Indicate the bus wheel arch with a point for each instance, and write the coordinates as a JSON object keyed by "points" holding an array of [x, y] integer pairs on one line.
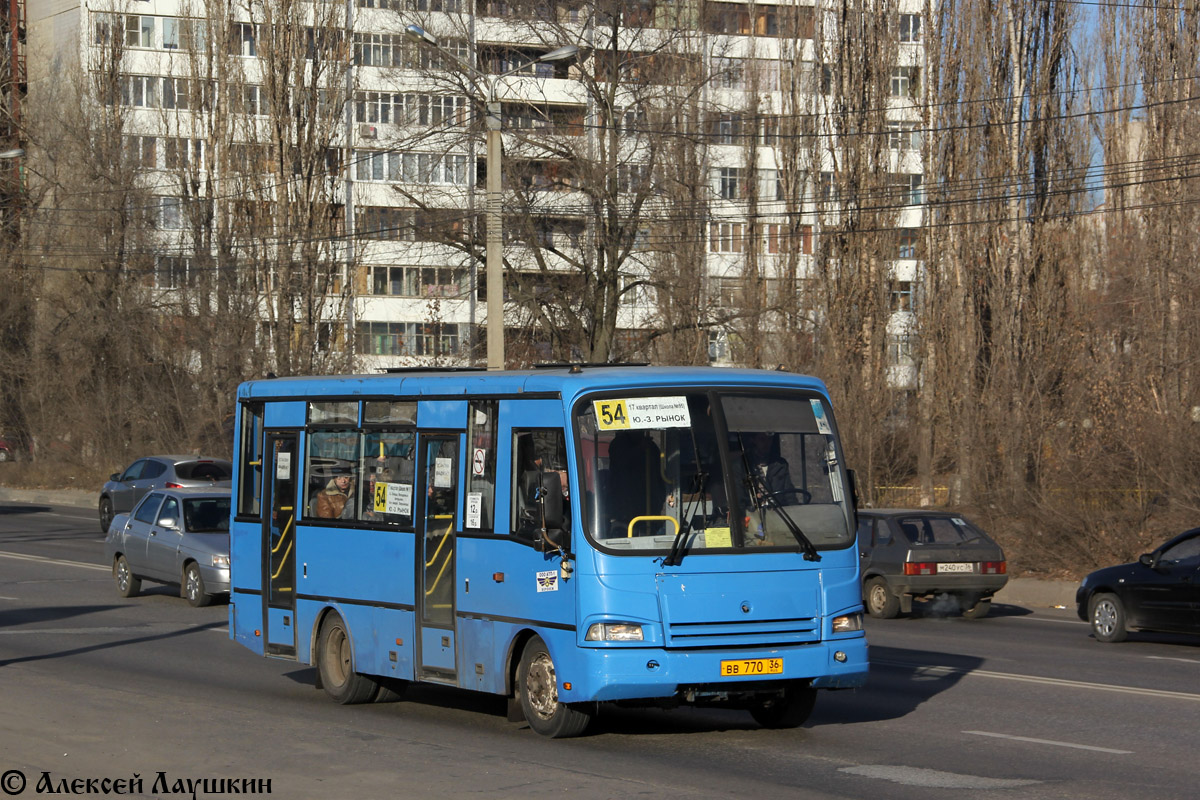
{"points": [[537, 692]]}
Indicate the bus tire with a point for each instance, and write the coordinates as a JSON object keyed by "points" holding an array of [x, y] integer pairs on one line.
{"points": [[335, 662], [389, 690], [791, 709], [537, 689]]}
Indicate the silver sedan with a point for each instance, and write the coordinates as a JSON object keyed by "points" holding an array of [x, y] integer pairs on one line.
{"points": [[173, 536]]}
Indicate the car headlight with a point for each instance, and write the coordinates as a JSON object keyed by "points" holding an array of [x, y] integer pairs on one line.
{"points": [[614, 632], [847, 623], [220, 561]]}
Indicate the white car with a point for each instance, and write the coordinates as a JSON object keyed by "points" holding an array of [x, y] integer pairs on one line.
{"points": [[173, 536]]}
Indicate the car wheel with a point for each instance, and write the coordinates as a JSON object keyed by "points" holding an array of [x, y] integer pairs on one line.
{"points": [[192, 586], [3, 455], [128, 584], [106, 514], [537, 687], [880, 601], [789, 710], [1108, 618], [335, 663], [973, 608]]}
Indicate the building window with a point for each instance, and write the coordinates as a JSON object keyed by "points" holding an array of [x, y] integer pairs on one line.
{"points": [[172, 272], [170, 214], [901, 348], [903, 136], [731, 183], [242, 39], [908, 242], [727, 237], [779, 239], [910, 27], [418, 281], [729, 73], [905, 81], [139, 91], [408, 339], [912, 193], [902, 295], [385, 222], [139, 31]]}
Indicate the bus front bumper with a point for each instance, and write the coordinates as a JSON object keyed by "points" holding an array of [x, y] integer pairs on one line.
{"points": [[604, 674]]}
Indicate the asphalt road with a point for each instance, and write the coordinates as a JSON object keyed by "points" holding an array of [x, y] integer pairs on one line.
{"points": [[1018, 705]]}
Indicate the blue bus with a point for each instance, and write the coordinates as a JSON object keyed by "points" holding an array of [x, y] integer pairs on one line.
{"points": [[562, 536]]}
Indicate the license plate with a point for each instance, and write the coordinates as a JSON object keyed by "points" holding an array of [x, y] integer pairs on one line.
{"points": [[751, 666], [956, 567]]}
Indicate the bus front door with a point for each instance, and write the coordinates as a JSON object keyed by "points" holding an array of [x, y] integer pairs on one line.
{"points": [[279, 545], [438, 493]]}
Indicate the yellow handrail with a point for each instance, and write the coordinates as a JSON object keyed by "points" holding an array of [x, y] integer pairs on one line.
{"points": [[282, 561], [445, 538], [283, 536], [636, 520]]}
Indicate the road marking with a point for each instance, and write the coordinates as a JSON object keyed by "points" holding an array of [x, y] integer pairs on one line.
{"points": [[1170, 658], [44, 560], [935, 671], [934, 779], [1051, 742]]}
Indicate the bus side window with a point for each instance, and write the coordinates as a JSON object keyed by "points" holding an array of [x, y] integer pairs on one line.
{"points": [[541, 494]]}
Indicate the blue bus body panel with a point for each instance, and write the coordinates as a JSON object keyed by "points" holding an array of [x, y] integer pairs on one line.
{"points": [[442, 414]]}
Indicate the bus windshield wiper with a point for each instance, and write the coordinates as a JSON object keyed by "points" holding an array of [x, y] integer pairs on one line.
{"points": [[675, 556], [768, 500]]}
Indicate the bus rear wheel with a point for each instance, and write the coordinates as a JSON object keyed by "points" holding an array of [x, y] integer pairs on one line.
{"points": [[335, 663], [790, 709], [537, 688]]}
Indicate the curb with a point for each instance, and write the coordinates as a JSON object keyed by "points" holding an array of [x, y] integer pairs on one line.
{"points": [[76, 498]]}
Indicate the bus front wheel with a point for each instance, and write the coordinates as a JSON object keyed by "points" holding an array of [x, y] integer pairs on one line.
{"points": [[537, 688], [335, 662], [789, 709]]}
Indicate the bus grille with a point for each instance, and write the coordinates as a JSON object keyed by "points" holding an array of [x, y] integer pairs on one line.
{"points": [[738, 633]]}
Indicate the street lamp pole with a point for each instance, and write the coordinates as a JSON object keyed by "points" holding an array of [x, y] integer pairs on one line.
{"points": [[494, 216]]}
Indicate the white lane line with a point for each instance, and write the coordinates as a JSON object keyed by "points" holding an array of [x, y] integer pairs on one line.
{"points": [[1051, 743], [941, 671], [44, 560], [1170, 658]]}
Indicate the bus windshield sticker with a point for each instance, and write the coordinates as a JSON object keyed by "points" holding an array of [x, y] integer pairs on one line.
{"points": [[642, 413], [443, 474], [474, 509], [822, 420], [718, 537], [547, 581]]}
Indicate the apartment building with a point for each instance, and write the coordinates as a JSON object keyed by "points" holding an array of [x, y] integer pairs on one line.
{"points": [[400, 128]]}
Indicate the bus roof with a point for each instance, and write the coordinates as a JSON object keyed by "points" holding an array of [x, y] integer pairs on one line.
{"points": [[566, 381]]}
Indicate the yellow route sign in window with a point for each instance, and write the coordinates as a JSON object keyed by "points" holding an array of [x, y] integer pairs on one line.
{"points": [[611, 415]]}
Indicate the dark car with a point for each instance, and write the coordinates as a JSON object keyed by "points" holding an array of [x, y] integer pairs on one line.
{"points": [[124, 489], [905, 554], [1160, 592], [175, 536]]}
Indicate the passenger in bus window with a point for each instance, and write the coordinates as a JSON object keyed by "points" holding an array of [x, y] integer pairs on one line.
{"points": [[335, 501], [635, 475]]}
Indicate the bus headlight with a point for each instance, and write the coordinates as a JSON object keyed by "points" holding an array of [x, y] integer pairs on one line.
{"points": [[614, 632], [847, 623]]}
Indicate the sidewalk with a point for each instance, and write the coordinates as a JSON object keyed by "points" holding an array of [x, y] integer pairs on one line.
{"points": [[1028, 592]]}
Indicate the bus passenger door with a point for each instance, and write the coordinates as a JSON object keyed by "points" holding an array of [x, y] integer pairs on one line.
{"points": [[437, 483], [279, 544]]}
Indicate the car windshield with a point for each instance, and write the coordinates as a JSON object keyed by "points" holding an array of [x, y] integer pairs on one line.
{"points": [[207, 514], [711, 470], [939, 530]]}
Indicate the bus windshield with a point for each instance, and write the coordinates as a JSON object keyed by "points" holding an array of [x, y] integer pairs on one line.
{"points": [[695, 471]]}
